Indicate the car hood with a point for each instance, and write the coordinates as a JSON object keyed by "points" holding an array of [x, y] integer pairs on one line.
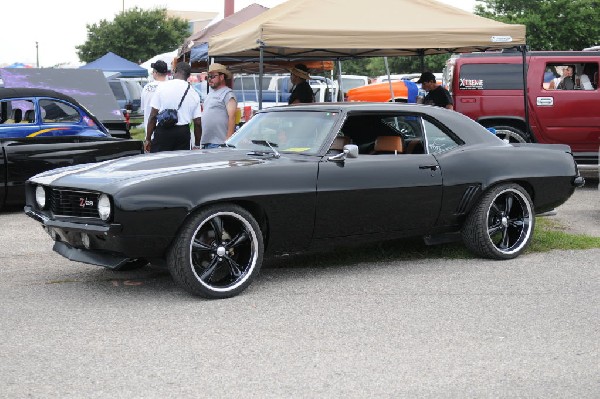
{"points": [[148, 166]]}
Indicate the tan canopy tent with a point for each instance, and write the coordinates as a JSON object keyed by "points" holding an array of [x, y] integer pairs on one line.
{"points": [[343, 29]]}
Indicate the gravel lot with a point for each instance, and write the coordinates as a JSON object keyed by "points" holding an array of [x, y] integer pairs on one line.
{"points": [[407, 328], [581, 213]]}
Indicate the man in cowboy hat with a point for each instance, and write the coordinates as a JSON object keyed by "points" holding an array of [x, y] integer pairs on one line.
{"points": [[301, 92], [220, 105]]}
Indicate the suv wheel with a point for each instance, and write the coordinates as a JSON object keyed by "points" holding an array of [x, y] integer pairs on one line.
{"points": [[512, 134]]}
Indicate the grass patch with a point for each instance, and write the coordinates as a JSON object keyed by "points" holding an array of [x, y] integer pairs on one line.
{"points": [[548, 235], [138, 133]]}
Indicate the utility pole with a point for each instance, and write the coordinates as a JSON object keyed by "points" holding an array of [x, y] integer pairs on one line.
{"points": [[37, 56]]}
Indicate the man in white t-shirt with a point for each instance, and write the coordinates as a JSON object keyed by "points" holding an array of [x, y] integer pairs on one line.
{"points": [[159, 75], [174, 94]]}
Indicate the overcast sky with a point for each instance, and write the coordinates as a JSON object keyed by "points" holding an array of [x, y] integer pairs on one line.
{"points": [[60, 25]]}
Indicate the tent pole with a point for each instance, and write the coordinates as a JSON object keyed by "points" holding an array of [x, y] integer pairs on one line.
{"points": [[523, 49], [340, 95], [387, 71], [260, 73]]}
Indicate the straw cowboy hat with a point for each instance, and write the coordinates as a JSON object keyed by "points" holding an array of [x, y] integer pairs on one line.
{"points": [[301, 71], [220, 68]]}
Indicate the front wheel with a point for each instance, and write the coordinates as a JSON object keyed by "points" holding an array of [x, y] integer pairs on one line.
{"points": [[218, 252], [501, 225]]}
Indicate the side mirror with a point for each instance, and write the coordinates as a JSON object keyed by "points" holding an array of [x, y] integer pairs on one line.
{"points": [[350, 151]]}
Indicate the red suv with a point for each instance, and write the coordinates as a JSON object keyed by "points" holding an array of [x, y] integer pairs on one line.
{"points": [[488, 87]]}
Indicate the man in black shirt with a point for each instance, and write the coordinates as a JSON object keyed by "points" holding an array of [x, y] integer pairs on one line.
{"points": [[302, 92], [436, 94]]}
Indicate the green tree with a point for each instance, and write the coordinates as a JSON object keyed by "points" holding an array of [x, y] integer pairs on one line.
{"points": [[135, 34], [550, 24]]}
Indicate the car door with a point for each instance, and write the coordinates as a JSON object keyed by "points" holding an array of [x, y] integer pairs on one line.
{"points": [[378, 193]]}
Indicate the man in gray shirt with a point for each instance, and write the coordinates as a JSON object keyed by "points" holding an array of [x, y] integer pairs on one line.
{"points": [[220, 105]]}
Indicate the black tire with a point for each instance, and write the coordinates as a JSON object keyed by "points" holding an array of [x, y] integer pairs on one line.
{"points": [[501, 225], [217, 269], [133, 264], [512, 134]]}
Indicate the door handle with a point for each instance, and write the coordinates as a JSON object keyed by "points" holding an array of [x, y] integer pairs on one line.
{"points": [[430, 167]]}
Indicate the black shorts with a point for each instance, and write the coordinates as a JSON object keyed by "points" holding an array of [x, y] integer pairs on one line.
{"points": [[171, 139]]}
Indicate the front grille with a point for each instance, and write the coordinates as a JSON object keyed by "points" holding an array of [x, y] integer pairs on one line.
{"points": [[74, 203]]}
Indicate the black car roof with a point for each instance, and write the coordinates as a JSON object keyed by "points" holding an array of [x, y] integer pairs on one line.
{"points": [[26, 92], [470, 130]]}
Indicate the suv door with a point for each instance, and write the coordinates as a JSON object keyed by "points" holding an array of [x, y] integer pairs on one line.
{"points": [[567, 116]]}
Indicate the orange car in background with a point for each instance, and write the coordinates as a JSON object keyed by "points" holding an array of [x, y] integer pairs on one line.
{"points": [[405, 91]]}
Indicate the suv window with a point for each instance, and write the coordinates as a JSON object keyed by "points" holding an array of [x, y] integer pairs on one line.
{"points": [[583, 76], [135, 90], [491, 77], [118, 91]]}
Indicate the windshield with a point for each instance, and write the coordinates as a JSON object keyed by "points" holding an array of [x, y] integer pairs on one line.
{"points": [[286, 131]]}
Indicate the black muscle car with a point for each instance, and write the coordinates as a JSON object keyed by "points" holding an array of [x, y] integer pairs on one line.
{"points": [[297, 177]]}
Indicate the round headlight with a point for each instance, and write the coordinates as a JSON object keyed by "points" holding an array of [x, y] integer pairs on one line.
{"points": [[104, 207], [40, 196]]}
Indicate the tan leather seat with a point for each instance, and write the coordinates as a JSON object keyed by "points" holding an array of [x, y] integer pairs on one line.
{"points": [[415, 146], [388, 145], [339, 142]]}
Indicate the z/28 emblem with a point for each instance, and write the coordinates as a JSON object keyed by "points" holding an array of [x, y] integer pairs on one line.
{"points": [[83, 202]]}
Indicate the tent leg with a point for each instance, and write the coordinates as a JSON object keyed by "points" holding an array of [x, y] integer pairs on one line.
{"points": [[523, 49], [260, 75], [387, 71], [340, 96]]}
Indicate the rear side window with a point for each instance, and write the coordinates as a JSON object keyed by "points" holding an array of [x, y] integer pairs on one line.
{"points": [[57, 111], [491, 77], [118, 90], [135, 90]]}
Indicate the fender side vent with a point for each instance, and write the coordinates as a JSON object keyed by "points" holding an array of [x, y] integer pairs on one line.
{"points": [[466, 199]]}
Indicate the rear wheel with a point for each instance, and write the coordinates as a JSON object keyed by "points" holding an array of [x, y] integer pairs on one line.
{"points": [[218, 252], [501, 225], [512, 134]]}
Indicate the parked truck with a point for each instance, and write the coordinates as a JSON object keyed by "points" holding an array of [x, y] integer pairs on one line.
{"points": [[489, 88]]}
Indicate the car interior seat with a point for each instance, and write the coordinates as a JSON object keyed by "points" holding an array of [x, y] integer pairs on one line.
{"points": [[415, 146], [339, 142], [30, 116], [17, 115], [388, 145]]}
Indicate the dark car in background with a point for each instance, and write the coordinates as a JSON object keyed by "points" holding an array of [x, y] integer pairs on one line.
{"points": [[43, 129]]}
